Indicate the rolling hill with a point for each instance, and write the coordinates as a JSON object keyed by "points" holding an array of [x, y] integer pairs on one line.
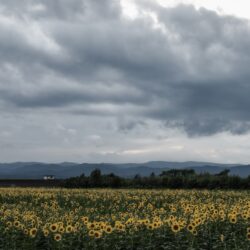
{"points": [[36, 170]]}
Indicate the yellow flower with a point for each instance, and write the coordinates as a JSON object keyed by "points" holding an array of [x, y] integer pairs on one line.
{"points": [[61, 229], [150, 226], [9, 224], [69, 229], [248, 236], [16, 223], [53, 227], [120, 227], [85, 219], [108, 229], [194, 232], [91, 225], [233, 219], [175, 228], [190, 227], [33, 232], [97, 234], [91, 233], [45, 232], [57, 237]]}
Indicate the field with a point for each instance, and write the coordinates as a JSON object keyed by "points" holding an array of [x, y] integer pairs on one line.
{"points": [[40, 218]]}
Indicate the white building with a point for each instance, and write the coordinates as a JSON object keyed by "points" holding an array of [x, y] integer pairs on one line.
{"points": [[49, 177]]}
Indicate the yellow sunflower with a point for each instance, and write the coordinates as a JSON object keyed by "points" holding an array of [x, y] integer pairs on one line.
{"points": [[57, 237], [175, 228], [53, 227], [108, 229], [33, 232]]}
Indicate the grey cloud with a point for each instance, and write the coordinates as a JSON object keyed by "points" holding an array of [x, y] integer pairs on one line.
{"points": [[125, 124], [194, 75], [208, 127], [62, 98]]}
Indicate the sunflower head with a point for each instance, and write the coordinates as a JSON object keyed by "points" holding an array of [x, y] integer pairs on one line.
{"points": [[233, 219], [97, 234], [69, 229], [57, 237], [53, 227], [248, 236], [33, 232], [175, 228], [91, 233], [108, 229]]}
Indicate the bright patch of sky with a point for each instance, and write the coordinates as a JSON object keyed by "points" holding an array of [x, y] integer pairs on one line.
{"points": [[239, 8]]}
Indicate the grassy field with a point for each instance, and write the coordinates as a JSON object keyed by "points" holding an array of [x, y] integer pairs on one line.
{"points": [[123, 219]]}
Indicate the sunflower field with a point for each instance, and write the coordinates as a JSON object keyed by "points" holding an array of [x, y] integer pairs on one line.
{"points": [[40, 218]]}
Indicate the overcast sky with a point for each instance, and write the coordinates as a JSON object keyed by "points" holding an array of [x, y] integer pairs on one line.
{"points": [[124, 81]]}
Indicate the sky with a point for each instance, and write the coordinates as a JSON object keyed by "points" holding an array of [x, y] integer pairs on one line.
{"points": [[124, 81]]}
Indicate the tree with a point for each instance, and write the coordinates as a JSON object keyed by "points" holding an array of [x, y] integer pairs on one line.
{"points": [[96, 178], [224, 172], [152, 175]]}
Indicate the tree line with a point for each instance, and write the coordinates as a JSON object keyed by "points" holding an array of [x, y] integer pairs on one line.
{"points": [[174, 178]]}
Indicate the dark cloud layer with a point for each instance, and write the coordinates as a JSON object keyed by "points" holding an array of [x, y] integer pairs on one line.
{"points": [[190, 70]]}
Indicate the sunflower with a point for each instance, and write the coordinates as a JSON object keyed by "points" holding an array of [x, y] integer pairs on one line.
{"points": [[97, 234], [91, 233], [244, 216], [194, 232], [190, 227], [85, 219], [175, 228], [121, 227], [57, 237], [9, 224], [53, 227], [233, 219], [61, 229], [33, 232], [16, 223], [155, 224], [69, 229], [45, 232], [248, 236], [150, 226], [91, 225], [108, 229]]}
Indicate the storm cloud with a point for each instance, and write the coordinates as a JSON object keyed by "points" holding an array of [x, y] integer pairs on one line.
{"points": [[181, 67]]}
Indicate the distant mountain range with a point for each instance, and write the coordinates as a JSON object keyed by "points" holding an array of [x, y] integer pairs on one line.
{"points": [[36, 170]]}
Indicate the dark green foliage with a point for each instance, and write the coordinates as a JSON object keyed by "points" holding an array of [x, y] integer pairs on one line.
{"points": [[174, 178]]}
